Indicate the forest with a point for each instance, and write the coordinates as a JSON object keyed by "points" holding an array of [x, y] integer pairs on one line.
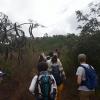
{"points": [[19, 53]]}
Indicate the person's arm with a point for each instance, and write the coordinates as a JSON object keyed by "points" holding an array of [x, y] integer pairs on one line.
{"points": [[61, 69], [79, 79], [79, 74], [33, 84], [53, 87]]}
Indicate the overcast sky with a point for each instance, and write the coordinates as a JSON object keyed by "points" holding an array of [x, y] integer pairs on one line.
{"points": [[57, 15]]}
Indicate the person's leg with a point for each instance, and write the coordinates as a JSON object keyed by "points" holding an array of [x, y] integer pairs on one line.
{"points": [[84, 95], [59, 92]]}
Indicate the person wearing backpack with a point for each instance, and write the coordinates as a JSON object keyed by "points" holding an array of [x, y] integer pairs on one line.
{"points": [[43, 85], [42, 57], [56, 69], [86, 79], [56, 51]]}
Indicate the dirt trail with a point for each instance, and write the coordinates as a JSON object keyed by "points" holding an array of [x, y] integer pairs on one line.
{"points": [[13, 90]]}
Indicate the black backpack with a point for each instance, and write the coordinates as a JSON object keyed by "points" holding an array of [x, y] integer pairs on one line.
{"points": [[57, 74]]}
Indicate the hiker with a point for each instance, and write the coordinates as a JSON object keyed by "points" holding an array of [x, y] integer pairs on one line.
{"points": [[42, 57], [57, 52], [56, 69], [86, 79], [43, 85]]}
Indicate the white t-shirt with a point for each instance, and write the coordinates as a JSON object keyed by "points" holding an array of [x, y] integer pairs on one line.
{"points": [[81, 72], [49, 62]]}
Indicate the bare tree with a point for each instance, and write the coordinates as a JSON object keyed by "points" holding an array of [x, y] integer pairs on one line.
{"points": [[89, 22], [12, 36]]}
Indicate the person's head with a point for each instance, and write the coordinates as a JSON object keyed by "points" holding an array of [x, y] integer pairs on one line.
{"points": [[57, 52], [54, 59], [82, 58], [41, 58], [42, 66]]}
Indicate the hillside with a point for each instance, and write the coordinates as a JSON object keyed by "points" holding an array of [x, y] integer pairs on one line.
{"points": [[19, 75]]}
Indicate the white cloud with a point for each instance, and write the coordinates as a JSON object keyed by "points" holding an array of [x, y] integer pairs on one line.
{"points": [[57, 15]]}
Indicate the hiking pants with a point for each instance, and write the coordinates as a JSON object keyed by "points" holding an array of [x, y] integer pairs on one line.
{"points": [[87, 95], [59, 91]]}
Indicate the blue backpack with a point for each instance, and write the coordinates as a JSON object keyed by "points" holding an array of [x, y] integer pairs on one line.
{"points": [[91, 78], [57, 74], [45, 85]]}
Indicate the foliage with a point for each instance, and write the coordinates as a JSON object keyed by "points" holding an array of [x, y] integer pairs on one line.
{"points": [[90, 21]]}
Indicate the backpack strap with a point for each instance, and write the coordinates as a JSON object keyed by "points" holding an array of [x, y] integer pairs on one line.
{"points": [[83, 83], [89, 66], [36, 87]]}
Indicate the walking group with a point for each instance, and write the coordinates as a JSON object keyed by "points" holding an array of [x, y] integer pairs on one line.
{"points": [[48, 83]]}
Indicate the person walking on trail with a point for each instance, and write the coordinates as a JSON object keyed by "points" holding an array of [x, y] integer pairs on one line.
{"points": [[86, 79], [43, 85], [56, 69], [56, 51], [42, 57]]}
